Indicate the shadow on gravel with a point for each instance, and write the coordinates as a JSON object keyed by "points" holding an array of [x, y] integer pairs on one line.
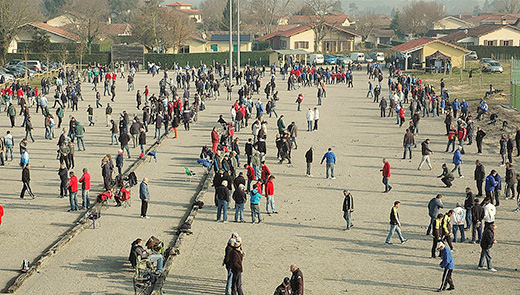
{"points": [[383, 284], [186, 285]]}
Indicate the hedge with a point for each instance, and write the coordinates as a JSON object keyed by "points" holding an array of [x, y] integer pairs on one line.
{"points": [[209, 58], [496, 52], [100, 57]]}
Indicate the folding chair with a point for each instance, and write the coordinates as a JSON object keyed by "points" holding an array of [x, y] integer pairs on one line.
{"points": [[189, 173]]}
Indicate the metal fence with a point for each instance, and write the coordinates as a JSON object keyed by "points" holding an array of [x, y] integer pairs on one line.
{"points": [[515, 84]]}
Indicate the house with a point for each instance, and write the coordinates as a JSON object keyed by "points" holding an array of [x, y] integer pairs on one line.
{"points": [[336, 20], [62, 20], [293, 37], [56, 35], [487, 35], [119, 30], [303, 37], [380, 36], [494, 18], [187, 9], [451, 22], [219, 42], [426, 51]]}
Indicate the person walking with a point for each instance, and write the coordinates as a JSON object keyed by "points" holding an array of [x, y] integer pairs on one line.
{"points": [[308, 160], [26, 179], [330, 158], [479, 176], [457, 161], [426, 152], [386, 175], [73, 191], [447, 228], [510, 181], [348, 208], [434, 206], [144, 195], [310, 119], [488, 240], [468, 205], [395, 224], [296, 280], [459, 215], [448, 265], [477, 215]]}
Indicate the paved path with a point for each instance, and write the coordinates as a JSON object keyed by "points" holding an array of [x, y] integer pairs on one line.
{"points": [[309, 229]]}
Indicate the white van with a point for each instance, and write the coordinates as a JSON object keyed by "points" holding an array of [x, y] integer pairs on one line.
{"points": [[316, 59], [357, 57], [378, 56], [34, 65]]}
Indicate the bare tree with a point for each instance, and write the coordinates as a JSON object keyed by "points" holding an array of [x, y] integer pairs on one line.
{"points": [[212, 13], [13, 14], [269, 12], [507, 6], [318, 19], [88, 19], [418, 17], [365, 25], [175, 29]]}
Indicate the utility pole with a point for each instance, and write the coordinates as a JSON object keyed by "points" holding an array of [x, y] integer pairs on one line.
{"points": [[238, 35], [230, 66]]}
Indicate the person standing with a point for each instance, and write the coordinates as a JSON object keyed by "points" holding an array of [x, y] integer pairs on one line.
{"points": [[408, 142], [119, 161], [488, 240], [489, 213], [310, 119], [459, 215], [382, 105], [73, 192], [434, 206], [144, 195], [240, 197], [255, 203], [447, 227], [330, 158], [269, 194], [80, 132], [477, 215], [85, 189], [316, 118], [395, 224], [296, 280], [480, 175], [448, 265], [293, 133], [386, 175], [64, 177], [236, 257], [491, 184], [90, 113], [26, 179], [457, 161], [479, 138], [308, 160], [468, 205], [510, 181], [348, 208], [222, 200], [510, 148], [437, 233], [226, 262], [426, 152]]}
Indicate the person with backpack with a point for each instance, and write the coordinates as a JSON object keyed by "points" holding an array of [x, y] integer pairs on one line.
{"points": [[299, 101]]}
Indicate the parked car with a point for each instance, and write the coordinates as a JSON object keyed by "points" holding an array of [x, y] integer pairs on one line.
{"points": [[34, 65], [316, 59], [493, 67], [357, 57], [368, 58], [6, 75], [377, 56], [473, 55], [330, 59], [343, 59], [485, 60]]}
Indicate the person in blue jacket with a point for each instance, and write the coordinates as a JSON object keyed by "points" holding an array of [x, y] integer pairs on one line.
{"points": [[498, 188], [464, 106], [457, 161], [455, 105], [255, 204], [490, 186], [330, 158], [448, 265]]}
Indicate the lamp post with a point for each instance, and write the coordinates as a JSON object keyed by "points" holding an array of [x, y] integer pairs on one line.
{"points": [[238, 35], [230, 70]]}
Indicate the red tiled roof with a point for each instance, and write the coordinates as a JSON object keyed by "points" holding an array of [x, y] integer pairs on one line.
{"points": [[284, 33], [56, 30], [341, 28], [421, 42], [476, 32], [494, 17], [189, 11], [178, 4], [116, 29]]}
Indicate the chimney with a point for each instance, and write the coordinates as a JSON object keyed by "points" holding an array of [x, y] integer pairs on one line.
{"points": [[460, 15], [504, 22]]}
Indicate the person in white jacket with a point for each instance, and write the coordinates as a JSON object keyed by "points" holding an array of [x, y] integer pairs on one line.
{"points": [[489, 213], [316, 118], [459, 216], [310, 119]]}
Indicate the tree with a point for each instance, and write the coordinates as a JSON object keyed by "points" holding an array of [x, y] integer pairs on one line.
{"points": [[224, 21], [394, 25], [418, 17], [120, 6], [353, 8], [88, 19], [365, 25], [507, 6], [13, 13], [212, 13], [268, 11], [317, 19], [41, 41], [145, 24], [53, 7]]}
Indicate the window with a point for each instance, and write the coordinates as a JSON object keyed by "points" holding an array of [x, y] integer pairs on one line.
{"points": [[214, 47], [490, 42], [301, 45], [235, 47], [184, 49], [283, 44], [506, 42]]}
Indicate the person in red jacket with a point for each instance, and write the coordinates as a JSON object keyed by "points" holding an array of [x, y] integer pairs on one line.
{"points": [[214, 139], [452, 135], [265, 172], [146, 93], [85, 189], [250, 176], [1, 213], [386, 175], [401, 117], [269, 194], [73, 192]]}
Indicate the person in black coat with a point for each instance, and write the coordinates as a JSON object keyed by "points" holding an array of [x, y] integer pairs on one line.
{"points": [[479, 138], [223, 201], [249, 150], [308, 160], [64, 177], [479, 177], [348, 208], [488, 240], [26, 179], [477, 215]]}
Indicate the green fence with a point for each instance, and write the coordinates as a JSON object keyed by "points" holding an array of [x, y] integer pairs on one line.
{"points": [[209, 58], [515, 84]]}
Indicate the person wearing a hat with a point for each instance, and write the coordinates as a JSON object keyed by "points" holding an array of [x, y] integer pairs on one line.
{"points": [[448, 265], [284, 288]]}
